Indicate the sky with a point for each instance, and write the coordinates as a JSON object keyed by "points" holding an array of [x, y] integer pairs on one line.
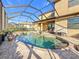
{"points": [[44, 5]]}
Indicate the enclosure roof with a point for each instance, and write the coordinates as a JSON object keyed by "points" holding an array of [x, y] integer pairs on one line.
{"points": [[27, 10]]}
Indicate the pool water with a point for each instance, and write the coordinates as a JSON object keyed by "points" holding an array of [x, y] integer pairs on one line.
{"points": [[40, 41]]}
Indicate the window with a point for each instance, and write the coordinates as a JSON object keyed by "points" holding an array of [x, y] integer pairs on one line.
{"points": [[73, 23], [73, 2], [51, 26]]}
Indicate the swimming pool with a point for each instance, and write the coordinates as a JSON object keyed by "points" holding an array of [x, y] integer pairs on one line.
{"points": [[41, 41]]}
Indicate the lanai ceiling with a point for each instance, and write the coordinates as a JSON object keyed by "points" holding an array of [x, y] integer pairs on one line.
{"points": [[27, 10]]}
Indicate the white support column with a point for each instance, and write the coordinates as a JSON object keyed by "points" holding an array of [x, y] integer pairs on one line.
{"points": [[3, 19], [0, 16], [41, 27]]}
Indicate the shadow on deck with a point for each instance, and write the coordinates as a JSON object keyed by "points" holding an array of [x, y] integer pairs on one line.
{"points": [[8, 50]]}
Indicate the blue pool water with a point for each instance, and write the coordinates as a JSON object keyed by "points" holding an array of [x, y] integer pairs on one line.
{"points": [[39, 41]]}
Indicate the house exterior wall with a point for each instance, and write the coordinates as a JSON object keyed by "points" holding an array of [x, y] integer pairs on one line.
{"points": [[40, 26], [3, 20], [43, 26], [0, 16], [63, 9]]}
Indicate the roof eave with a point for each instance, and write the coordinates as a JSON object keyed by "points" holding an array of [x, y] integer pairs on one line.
{"points": [[60, 17], [56, 1]]}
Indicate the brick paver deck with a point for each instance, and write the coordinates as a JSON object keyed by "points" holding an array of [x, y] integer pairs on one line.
{"points": [[18, 50]]}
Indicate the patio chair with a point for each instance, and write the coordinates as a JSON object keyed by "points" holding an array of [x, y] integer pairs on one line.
{"points": [[51, 31]]}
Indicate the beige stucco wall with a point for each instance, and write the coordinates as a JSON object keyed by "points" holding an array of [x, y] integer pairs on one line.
{"points": [[36, 26], [0, 16], [61, 26], [63, 9], [73, 9], [3, 21], [6, 20], [73, 32], [40, 26], [43, 26]]}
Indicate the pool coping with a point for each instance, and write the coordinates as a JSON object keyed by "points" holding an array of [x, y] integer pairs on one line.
{"points": [[64, 37], [69, 39]]}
